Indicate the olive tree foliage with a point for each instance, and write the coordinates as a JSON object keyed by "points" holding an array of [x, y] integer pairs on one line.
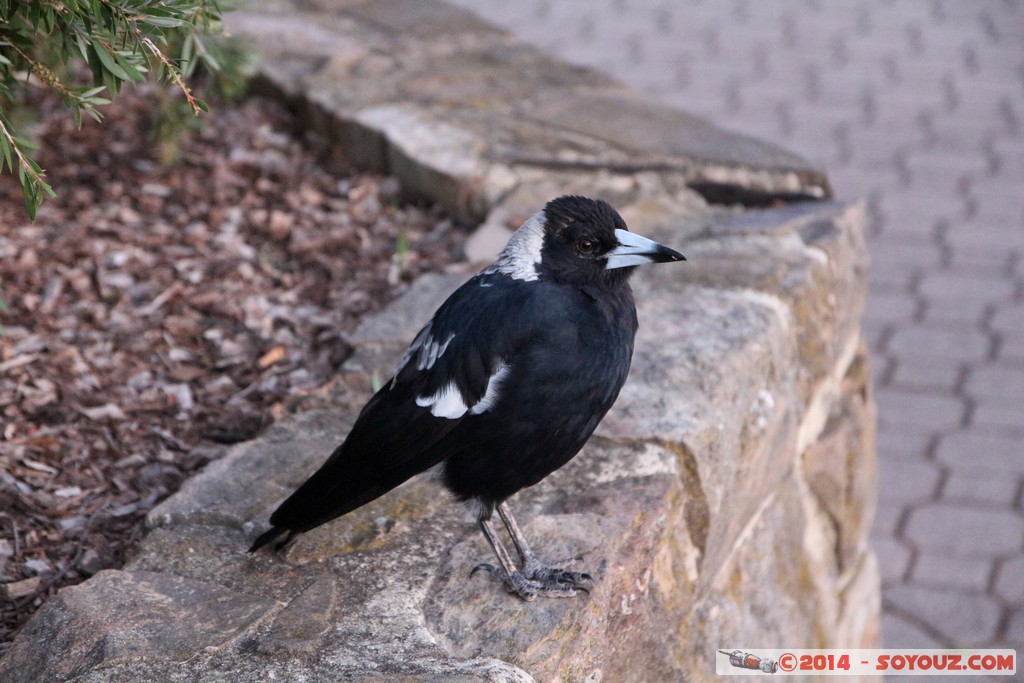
{"points": [[86, 50]]}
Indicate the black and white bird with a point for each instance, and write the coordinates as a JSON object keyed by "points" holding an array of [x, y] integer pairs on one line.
{"points": [[502, 387]]}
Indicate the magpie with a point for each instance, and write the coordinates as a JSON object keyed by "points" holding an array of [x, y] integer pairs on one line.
{"points": [[501, 387]]}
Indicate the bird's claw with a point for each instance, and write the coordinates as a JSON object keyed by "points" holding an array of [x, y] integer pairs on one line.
{"points": [[549, 582], [557, 574], [484, 566]]}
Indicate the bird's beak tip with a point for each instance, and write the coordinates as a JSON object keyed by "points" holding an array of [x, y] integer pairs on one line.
{"points": [[674, 256]]}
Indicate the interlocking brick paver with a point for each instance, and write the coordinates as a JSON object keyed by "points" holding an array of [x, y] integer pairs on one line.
{"points": [[969, 532], [918, 412], [918, 106], [984, 261], [903, 632], [893, 558], [899, 254], [953, 315], [1015, 628], [999, 416], [941, 344], [1009, 582], [966, 162], [980, 487], [965, 619], [893, 281], [889, 518], [923, 374], [978, 452], [1011, 349], [854, 181], [908, 480], [1009, 319], [1000, 231], [998, 381], [965, 289], [889, 308], [896, 443], [939, 571]]}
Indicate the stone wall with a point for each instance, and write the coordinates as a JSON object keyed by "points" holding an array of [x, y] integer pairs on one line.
{"points": [[724, 502]]}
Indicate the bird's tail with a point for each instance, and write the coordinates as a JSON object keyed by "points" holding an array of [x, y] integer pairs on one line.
{"points": [[307, 508], [270, 536]]}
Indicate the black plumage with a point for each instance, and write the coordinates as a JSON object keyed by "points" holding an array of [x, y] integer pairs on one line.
{"points": [[502, 387]]}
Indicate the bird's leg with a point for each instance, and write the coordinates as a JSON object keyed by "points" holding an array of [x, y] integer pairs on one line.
{"points": [[532, 567], [509, 575], [515, 581], [525, 554]]}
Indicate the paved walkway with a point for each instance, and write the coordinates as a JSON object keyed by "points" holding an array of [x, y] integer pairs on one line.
{"points": [[918, 106]]}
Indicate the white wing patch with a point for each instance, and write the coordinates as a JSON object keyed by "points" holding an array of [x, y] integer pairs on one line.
{"points": [[493, 387], [448, 401]]}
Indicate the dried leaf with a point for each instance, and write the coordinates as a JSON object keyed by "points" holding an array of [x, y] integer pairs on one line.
{"points": [[38, 466], [272, 356], [21, 589], [107, 411], [18, 361], [124, 347]]}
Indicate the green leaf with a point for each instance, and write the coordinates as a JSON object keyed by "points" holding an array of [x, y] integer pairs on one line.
{"points": [[7, 152], [83, 47], [110, 63], [31, 197], [121, 41], [134, 71], [92, 92], [206, 55], [24, 143], [94, 114], [164, 22], [187, 48]]}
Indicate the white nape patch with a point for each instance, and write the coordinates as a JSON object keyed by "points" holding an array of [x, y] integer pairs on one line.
{"points": [[431, 351], [447, 402], [521, 255], [490, 396]]}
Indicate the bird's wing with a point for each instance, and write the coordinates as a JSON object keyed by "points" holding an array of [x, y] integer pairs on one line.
{"points": [[443, 379]]}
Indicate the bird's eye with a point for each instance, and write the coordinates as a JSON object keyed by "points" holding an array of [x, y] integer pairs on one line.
{"points": [[585, 245]]}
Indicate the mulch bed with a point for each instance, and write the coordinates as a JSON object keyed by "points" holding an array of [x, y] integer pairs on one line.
{"points": [[153, 308]]}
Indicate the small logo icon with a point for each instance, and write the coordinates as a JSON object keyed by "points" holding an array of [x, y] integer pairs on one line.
{"points": [[745, 660]]}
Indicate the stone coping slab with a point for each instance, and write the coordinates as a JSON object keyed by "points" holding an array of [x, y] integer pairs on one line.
{"points": [[462, 113]]}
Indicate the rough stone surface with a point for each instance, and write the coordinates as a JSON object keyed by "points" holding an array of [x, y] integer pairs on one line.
{"points": [[458, 98], [676, 506], [918, 107], [725, 499]]}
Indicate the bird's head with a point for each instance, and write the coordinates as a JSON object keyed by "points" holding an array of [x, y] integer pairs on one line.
{"points": [[579, 241]]}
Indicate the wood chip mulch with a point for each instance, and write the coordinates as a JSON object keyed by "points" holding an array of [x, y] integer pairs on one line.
{"points": [[153, 308]]}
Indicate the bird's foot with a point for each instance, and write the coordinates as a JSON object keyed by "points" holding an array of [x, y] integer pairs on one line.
{"points": [[557, 572], [548, 582]]}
